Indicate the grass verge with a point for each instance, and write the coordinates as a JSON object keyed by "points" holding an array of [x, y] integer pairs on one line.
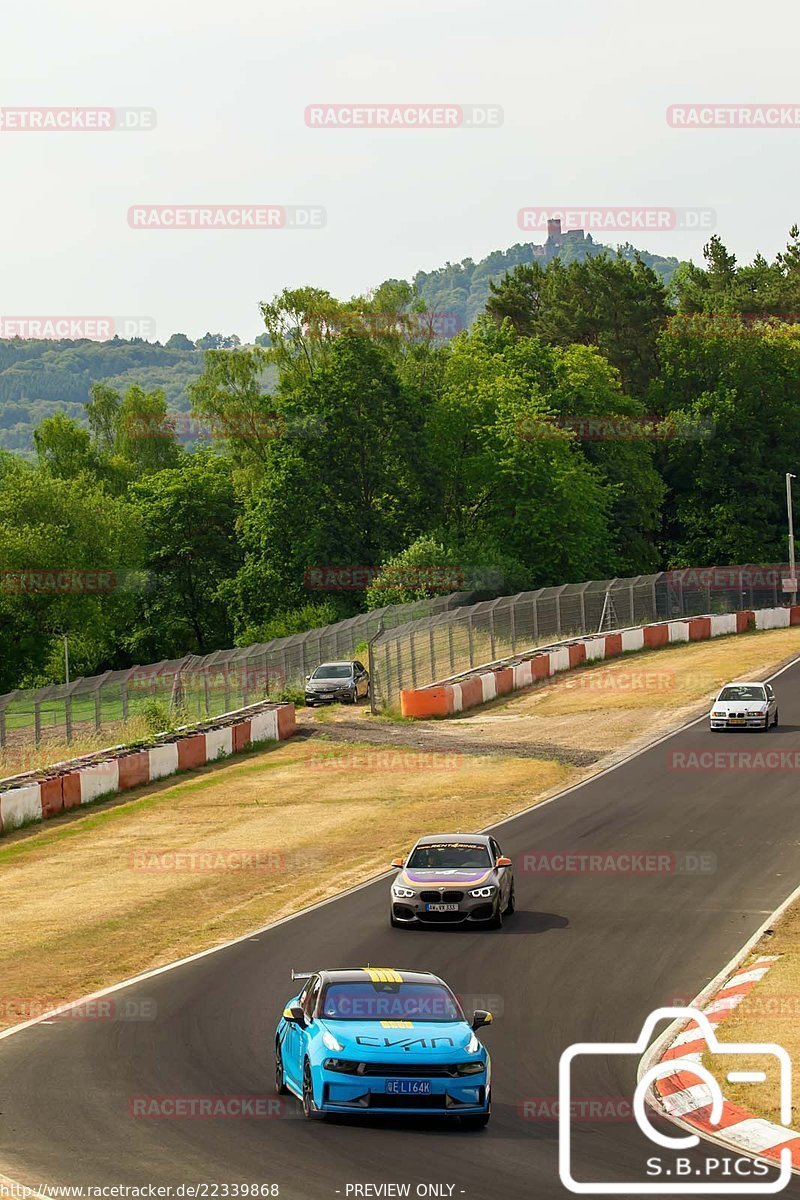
{"points": [[769, 1013], [98, 899]]}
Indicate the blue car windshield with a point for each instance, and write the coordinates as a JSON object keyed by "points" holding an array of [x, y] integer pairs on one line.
{"points": [[389, 1002]]}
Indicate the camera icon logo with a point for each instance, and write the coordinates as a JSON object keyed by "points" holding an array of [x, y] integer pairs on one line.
{"points": [[647, 1078]]}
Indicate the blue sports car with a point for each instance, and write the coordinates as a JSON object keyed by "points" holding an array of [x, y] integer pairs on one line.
{"points": [[374, 1040]]}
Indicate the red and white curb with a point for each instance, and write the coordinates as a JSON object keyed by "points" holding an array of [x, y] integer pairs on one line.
{"points": [[685, 1099]]}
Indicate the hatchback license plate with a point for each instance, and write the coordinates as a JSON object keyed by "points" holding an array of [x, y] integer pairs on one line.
{"points": [[441, 908], [408, 1087]]}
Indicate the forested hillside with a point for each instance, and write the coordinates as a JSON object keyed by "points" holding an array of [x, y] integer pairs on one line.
{"points": [[463, 288], [38, 378], [581, 428]]}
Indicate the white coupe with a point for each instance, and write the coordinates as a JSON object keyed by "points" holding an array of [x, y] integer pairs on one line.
{"points": [[744, 706]]}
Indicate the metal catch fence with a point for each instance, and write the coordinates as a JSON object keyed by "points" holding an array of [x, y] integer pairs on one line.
{"points": [[456, 641], [196, 687]]}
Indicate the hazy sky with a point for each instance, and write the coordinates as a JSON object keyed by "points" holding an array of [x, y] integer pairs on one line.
{"points": [[584, 89]]}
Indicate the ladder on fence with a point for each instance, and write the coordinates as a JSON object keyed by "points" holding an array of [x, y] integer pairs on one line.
{"points": [[608, 617]]}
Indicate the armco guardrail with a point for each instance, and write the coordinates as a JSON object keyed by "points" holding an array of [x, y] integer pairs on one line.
{"points": [[500, 678], [37, 796], [443, 645]]}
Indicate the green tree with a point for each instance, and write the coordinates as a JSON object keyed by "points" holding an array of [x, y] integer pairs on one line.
{"points": [[187, 515], [69, 555], [346, 481], [731, 399], [64, 447], [616, 306], [179, 341]]}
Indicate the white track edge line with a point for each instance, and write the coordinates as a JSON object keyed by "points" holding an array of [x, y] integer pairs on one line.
{"points": [[180, 962], [662, 1043]]}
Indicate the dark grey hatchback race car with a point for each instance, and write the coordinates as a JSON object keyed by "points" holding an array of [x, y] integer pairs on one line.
{"points": [[453, 879]]}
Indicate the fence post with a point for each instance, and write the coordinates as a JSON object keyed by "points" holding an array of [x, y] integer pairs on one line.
{"points": [[451, 647], [387, 691], [399, 667], [630, 596], [413, 662], [535, 603], [97, 721], [433, 650], [5, 702], [68, 717], [513, 624], [373, 707], [37, 720], [471, 646]]}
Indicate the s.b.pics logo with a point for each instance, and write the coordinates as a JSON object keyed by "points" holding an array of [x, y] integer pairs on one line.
{"points": [[690, 1087]]}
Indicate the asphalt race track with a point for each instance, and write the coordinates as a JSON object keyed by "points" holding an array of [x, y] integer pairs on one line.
{"points": [[585, 958]]}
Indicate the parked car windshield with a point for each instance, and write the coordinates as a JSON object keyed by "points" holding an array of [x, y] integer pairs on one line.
{"points": [[742, 692], [449, 856], [389, 1002], [333, 671]]}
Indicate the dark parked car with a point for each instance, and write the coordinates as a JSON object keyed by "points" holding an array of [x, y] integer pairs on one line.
{"points": [[337, 681]]}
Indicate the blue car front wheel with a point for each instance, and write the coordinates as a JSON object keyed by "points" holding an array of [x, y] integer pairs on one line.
{"points": [[310, 1110], [280, 1085]]}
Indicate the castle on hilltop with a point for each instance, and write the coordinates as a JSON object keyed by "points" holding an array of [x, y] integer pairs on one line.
{"points": [[556, 240]]}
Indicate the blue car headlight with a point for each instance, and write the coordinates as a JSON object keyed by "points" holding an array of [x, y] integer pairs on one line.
{"points": [[471, 1068], [344, 1066]]}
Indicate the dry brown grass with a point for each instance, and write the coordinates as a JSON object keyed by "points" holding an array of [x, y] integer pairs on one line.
{"points": [[78, 915], [638, 695], [22, 755], [770, 1013]]}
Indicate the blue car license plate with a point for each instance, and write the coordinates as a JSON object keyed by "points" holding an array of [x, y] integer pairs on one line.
{"points": [[408, 1087]]}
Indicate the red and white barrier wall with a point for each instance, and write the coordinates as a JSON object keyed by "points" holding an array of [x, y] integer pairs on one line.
{"points": [[453, 696], [39, 796]]}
